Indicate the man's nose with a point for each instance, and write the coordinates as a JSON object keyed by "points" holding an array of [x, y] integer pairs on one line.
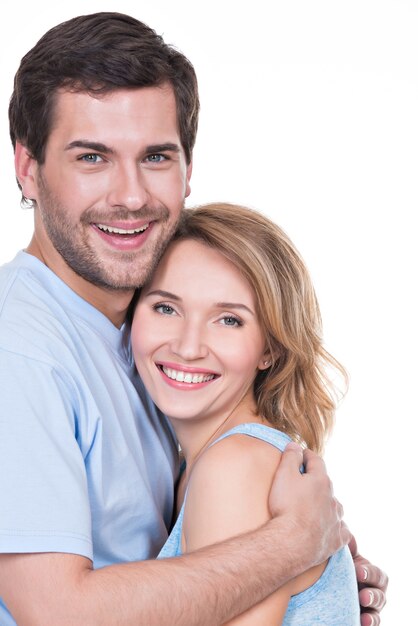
{"points": [[129, 188]]}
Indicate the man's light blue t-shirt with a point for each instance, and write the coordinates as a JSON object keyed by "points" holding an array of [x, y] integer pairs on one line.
{"points": [[87, 463]]}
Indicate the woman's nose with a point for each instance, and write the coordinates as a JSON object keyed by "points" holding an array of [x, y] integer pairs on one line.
{"points": [[190, 344]]}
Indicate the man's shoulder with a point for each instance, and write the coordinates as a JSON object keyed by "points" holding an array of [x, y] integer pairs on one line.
{"points": [[20, 278], [23, 294], [31, 315], [44, 322]]}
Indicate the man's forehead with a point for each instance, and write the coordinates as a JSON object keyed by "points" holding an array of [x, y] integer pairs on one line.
{"points": [[147, 113], [163, 91]]}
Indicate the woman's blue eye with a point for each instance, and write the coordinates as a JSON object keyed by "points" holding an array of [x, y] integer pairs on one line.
{"points": [[229, 320], [164, 309]]}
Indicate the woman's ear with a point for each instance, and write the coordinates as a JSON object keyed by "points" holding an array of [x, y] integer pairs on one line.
{"points": [[26, 168], [266, 361], [270, 356]]}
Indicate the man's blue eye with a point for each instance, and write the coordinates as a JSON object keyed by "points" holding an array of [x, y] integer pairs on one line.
{"points": [[91, 158], [156, 158]]}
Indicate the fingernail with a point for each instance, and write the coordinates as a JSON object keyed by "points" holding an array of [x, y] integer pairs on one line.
{"points": [[365, 573], [292, 445], [371, 595]]}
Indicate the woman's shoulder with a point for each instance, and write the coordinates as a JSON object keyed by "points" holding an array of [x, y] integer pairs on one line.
{"points": [[246, 448], [229, 488]]}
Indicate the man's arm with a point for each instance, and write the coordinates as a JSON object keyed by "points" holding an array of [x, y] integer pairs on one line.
{"points": [[372, 581], [206, 587]]}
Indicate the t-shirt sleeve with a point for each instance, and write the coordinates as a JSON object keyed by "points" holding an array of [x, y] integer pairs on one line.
{"points": [[44, 505]]}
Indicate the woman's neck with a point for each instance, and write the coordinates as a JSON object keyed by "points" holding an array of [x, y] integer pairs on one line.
{"points": [[195, 436]]}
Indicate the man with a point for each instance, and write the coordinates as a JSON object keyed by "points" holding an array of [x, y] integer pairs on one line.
{"points": [[103, 120]]}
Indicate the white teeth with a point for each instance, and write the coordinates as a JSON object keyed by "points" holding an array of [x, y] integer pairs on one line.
{"points": [[122, 231], [187, 377]]}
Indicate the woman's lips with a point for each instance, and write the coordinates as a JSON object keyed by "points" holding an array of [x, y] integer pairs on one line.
{"points": [[183, 377]]}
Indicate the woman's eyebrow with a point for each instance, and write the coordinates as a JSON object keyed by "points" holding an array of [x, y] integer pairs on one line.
{"points": [[233, 305], [163, 294], [219, 305]]}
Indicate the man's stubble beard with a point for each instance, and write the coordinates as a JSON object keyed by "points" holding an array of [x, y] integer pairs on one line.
{"points": [[128, 270]]}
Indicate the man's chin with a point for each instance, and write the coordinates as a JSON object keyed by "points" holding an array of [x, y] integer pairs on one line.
{"points": [[114, 283]]}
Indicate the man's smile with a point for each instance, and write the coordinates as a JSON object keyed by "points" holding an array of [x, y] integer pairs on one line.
{"points": [[124, 236], [118, 230]]}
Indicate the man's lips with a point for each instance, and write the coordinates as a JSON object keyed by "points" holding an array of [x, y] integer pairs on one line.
{"points": [[123, 235], [123, 228]]}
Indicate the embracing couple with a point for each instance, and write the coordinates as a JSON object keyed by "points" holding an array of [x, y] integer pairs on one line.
{"points": [[219, 352]]}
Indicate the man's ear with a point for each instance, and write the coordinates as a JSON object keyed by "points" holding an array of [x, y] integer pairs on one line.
{"points": [[26, 168], [188, 177]]}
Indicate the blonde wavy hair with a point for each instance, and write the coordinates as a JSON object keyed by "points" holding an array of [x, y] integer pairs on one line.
{"points": [[295, 393]]}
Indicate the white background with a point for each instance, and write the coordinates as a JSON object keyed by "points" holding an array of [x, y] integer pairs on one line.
{"points": [[309, 113]]}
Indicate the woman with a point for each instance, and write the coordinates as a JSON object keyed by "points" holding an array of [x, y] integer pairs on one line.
{"points": [[232, 353]]}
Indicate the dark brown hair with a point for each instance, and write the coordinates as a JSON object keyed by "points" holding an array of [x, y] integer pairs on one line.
{"points": [[97, 53]]}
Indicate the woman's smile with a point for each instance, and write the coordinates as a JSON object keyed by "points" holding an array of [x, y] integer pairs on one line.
{"points": [[192, 337]]}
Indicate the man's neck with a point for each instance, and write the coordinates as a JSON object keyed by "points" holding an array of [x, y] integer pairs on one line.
{"points": [[112, 303]]}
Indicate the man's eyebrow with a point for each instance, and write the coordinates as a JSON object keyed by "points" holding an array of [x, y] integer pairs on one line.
{"points": [[96, 146], [89, 145], [163, 147], [234, 305], [163, 294]]}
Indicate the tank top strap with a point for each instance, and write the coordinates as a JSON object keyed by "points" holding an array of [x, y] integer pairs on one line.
{"points": [[259, 431]]}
